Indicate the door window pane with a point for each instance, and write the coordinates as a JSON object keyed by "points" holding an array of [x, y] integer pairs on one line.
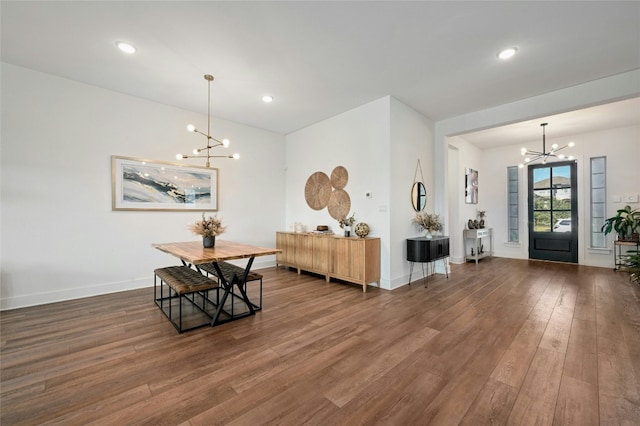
{"points": [[562, 199], [562, 221], [541, 178], [561, 176], [542, 221], [542, 200]]}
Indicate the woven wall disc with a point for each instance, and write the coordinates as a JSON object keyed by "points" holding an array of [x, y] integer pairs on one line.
{"points": [[339, 204], [317, 191], [339, 177]]}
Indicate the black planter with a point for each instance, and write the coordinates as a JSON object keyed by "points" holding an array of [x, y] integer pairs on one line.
{"points": [[209, 242]]}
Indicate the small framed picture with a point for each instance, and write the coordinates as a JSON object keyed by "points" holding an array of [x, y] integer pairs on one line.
{"points": [[471, 186], [138, 184]]}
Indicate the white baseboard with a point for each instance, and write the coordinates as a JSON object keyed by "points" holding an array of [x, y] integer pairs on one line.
{"points": [[23, 301]]}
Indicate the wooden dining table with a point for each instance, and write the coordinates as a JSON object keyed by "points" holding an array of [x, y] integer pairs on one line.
{"points": [[192, 253]]}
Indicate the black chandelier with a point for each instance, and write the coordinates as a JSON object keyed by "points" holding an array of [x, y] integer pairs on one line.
{"points": [[533, 156]]}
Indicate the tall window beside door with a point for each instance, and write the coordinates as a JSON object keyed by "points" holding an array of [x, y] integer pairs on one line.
{"points": [[598, 200], [512, 203]]}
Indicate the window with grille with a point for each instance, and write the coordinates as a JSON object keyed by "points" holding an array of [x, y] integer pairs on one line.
{"points": [[598, 200], [513, 230]]}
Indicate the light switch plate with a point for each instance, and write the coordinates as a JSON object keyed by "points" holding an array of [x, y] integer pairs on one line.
{"points": [[631, 198]]}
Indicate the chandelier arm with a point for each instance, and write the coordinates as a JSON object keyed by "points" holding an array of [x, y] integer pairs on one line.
{"points": [[201, 133], [536, 158], [210, 145]]}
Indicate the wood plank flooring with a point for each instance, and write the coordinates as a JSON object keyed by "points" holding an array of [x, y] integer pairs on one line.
{"points": [[502, 342]]}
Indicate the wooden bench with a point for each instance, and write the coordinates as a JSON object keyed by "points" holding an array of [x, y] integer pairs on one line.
{"points": [[187, 285], [230, 270]]}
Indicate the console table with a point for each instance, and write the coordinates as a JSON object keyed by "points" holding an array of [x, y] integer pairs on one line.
{"points": [[477, 250], [427, 250]]}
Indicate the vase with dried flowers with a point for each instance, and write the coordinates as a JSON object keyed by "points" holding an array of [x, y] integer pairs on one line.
{"points": [[208, 228], [429, 222], [481, 215], [346, 223]]}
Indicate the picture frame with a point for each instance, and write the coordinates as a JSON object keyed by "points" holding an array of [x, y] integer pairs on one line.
{"points": [[138, 184], [471, 186]]}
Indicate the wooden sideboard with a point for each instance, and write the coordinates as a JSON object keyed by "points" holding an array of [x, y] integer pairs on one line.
{"points": [[351, 259]]}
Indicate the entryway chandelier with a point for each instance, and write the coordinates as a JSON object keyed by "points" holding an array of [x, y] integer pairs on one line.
{"points": [[532, 156], [211, 141]]}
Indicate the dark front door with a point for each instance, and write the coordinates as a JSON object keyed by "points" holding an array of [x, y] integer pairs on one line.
{"points": [[553, 218]]}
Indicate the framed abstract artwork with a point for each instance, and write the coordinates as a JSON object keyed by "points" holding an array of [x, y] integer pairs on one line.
{"points": [[471, 186], [138, 184]]}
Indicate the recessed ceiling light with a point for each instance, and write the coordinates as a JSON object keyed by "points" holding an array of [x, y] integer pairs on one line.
{"points": [[267, 99], [507, 53], [127, 48]]}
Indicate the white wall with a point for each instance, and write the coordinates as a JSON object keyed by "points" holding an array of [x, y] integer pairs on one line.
{"points": [[468, 156], [358, 140], [60, 239], [378, 143], [411, 139]]}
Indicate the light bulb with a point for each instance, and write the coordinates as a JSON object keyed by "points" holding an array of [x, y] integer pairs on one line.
{"points": [[236, 156], [571, 144], [561, 156], [267, 99], [196, 151], [225, 142], [179, 156], [507, 53], [521, 166], [554, 146], [570, 157], [523, 151], [527, 159], [127, 48], [191, 128]]}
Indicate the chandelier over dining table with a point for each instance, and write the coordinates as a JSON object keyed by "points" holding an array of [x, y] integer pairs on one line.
{"points": [[205, 152], [533, 156]]}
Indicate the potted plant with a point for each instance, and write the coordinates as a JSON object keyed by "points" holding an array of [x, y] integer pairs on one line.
{"points": [[631, 264], [429, 222], [208, 228], [346, 223], [626, 223]]}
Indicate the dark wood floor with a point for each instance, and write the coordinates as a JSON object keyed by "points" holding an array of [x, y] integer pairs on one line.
{"points": [[503, 342]]}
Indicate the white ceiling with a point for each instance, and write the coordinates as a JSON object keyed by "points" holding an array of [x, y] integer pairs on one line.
{"points": [[319, 59]]}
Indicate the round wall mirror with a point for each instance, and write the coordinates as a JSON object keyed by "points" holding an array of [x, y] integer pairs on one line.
{"points": [[418, 196]]}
